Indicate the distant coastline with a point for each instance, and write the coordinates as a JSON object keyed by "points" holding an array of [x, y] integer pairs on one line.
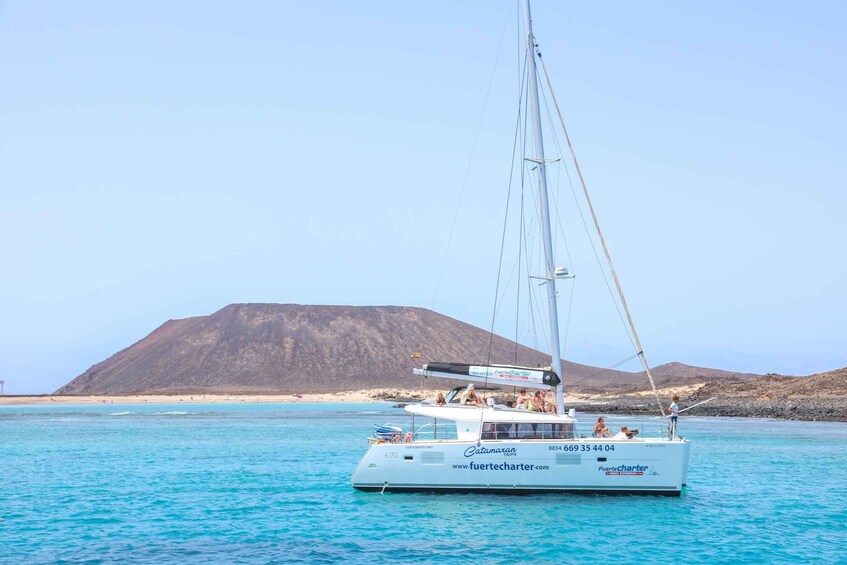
{"points": [[198, 398], [828, 408], [364, 395]]}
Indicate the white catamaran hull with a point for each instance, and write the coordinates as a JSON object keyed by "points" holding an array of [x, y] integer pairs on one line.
{"points": [[587, 466]]}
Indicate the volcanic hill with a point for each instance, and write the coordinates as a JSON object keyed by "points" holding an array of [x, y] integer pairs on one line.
{"points": [[288, 348]]}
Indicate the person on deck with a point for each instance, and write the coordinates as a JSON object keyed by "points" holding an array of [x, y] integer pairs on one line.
{"points": [[625, 433], [524, 399], [674, 410], [537, 402], [440, 401], [549, 405], [470, 397], [600, 429]]}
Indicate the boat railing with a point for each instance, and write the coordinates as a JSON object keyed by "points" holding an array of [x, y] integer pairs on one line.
{"points": [[445, 430], [645, 431]]}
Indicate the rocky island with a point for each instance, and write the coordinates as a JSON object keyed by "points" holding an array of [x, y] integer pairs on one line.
{"points": [[280, 350]]}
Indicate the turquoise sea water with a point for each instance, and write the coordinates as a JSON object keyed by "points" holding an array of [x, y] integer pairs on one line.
{"points": [[270, 483]]}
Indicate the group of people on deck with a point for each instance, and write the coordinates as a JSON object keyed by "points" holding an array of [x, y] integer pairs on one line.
{"points": [[539, 402], [601, 431]]}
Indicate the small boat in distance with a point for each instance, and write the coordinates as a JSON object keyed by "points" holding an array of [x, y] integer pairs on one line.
{"points": [[464, 447]]}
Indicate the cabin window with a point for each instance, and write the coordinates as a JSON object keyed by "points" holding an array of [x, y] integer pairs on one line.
{"points": [[432, 428], [509, 430]]}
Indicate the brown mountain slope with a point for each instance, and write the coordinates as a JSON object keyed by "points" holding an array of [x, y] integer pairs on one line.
{"points": [[284, 348]]}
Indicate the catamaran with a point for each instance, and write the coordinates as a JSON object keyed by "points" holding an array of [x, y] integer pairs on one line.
{"points": [[504, 449]]}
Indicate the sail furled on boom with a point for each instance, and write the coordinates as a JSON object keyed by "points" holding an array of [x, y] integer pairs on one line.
{"points": [[510, 375]]}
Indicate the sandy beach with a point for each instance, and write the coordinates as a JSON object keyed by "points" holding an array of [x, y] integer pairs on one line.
{"points": [[367, 395], [348, 396]]}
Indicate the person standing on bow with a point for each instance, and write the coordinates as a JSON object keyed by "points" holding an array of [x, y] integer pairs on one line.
{"points": [[674, 410]]}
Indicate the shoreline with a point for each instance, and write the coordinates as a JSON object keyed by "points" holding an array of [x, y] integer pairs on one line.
{"points": [[353, 396], [831, 409], [46, 399]]}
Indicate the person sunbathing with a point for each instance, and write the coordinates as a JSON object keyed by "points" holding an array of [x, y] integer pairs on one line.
{"points": [[600, 429], [471, 398]]}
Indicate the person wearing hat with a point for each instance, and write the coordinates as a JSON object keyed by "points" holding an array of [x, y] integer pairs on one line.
{"points": [[470, 397]]}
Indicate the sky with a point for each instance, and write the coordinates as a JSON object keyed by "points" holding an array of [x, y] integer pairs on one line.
{"points": [[162, 160]]}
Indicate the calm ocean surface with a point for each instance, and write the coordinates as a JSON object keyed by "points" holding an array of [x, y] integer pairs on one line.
{"points": [[270, 483]]}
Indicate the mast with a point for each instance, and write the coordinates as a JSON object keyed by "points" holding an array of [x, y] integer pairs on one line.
{"points": [[553, 312]]}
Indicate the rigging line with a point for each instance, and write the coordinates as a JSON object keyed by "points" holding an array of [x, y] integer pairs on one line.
{"points": [[560, 223], [555, 194], [523, 242], [521, 140], [534, 304], [585, 225], [505, 224], [500, 262], [605, 248], [503, 237], [470, 162], [522, 77], [518, 285], [568, 322], [526, 177], [609, 368], [521, 62], [523, 239], [502, 296]]}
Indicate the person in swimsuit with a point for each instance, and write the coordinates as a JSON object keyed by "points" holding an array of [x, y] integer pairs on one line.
{"points": [[471, 398], [537, 402], [523, 399], [600, 429], [549, 405]]}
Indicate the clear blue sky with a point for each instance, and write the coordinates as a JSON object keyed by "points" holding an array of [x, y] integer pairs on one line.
{"points": [[161, 160]]}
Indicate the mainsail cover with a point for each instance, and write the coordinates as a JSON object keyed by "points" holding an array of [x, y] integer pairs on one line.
{"points": [[499, 374]]}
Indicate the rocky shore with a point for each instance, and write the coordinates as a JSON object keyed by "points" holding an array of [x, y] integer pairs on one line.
{"points": [[821, 397], [812, 409]]}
